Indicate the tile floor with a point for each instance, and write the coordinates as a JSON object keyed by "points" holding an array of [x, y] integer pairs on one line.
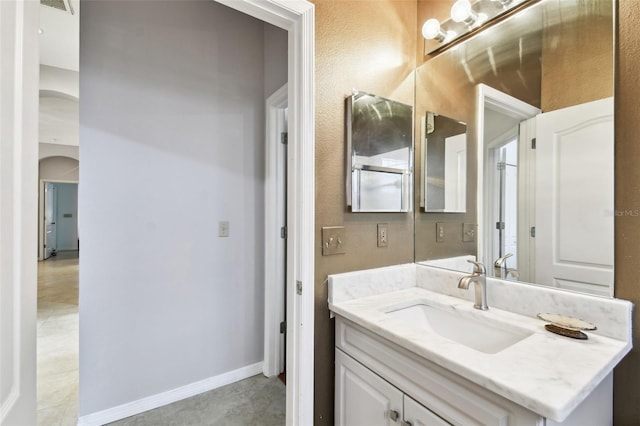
{"points": [[58, 340], [253, 401]]}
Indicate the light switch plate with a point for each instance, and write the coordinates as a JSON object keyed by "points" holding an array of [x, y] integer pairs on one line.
{"points": [[223, 228], [468, 232], [333, 240]]}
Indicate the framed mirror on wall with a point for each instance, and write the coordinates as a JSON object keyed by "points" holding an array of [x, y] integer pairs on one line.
{"points": [[542, 194], [379, 135]]}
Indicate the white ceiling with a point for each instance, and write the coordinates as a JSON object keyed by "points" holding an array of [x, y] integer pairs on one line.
{"points": [[60, 38], [59, 48]]}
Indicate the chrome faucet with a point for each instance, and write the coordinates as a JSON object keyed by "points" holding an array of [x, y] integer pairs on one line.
{"points": [[479, 278], [500, 269], [502, 260]]}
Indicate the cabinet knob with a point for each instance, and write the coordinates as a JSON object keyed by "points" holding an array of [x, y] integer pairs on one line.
{"points": [[394, 415], [406, 423]]}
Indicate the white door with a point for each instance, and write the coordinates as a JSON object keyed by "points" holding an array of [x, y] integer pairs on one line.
{"points": [[418, 415], [50, 214], [362, 398], [574, 198], [18, 209], [455, 173]]}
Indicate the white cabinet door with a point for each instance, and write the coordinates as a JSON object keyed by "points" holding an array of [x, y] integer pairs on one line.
{"points": [[418, 415], [362, 397], [574, 198]]}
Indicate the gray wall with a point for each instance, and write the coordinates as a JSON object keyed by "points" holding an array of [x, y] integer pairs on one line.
{"points": [[275, 59], [171, 142]]}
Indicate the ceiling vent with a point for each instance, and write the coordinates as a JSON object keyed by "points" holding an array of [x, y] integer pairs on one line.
{"points": [[64, 5]]}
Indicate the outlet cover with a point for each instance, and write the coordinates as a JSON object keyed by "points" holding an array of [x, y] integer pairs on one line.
{"points": [[333, 240], [468, 232], [439, 232]]}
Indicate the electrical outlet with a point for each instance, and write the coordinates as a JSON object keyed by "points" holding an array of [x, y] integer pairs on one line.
{"points": [[383, 235], [223, 228], [439, 232]]}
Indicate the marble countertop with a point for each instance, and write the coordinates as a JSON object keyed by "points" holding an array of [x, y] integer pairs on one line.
{"points": [[546, 373]]}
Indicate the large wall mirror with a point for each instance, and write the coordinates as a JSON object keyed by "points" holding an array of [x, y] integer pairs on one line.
{"points": [[536, 91]]}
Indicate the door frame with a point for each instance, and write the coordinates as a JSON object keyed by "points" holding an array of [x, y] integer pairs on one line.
{"points": [[19, 200], [488, 97], [19, 89], [275, 219], [297, 17], [41, 227]]}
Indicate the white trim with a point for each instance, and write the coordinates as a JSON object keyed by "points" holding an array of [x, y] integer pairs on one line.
{"points": [[19, 74], [158, 400], [298, 18], [508, 105], [274, 262], [526, 200]]}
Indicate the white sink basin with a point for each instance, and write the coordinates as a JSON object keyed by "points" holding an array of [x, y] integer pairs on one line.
{"points": [[471, 332]]}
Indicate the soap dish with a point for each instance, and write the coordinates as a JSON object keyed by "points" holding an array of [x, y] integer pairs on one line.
{"points": [[567, 326], [567, 332], [566, 321]]}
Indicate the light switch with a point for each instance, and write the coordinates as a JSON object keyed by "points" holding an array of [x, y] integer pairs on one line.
{"points": [[468, 232], [223, 228], [333, 240]]}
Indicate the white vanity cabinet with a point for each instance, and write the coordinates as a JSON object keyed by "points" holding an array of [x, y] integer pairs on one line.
{"points": [[395, 373], [365, 399], [380, 383]]}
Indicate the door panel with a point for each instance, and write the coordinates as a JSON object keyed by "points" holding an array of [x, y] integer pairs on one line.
{"points": [[50, 213], [362, 397], [574, 198]]}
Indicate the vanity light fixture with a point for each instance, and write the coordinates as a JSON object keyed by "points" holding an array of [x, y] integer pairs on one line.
{"points": [[504, 3], [466, 16], [461, 11], [431, 30]]}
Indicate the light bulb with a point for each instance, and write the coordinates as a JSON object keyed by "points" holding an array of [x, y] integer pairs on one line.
{"points": [[461, 11], [431, 30]]}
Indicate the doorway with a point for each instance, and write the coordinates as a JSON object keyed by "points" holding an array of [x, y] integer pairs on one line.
{"points": [[276, 234], [22, 37], [58, 217]]}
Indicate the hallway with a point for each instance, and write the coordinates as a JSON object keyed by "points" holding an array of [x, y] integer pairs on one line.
{"points": [[58, 340], [256, 400]]}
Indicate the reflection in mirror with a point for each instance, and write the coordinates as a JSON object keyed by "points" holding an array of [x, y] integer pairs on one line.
{"points": [[550, 220], [547, 192], [444, 165], [379, 154], [505, 178]]}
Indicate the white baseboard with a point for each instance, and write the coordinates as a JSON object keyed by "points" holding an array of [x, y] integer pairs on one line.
{"points": [[149, 403]]}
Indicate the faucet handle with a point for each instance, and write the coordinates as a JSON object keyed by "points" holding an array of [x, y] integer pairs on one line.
{"points": [[478, 267]]}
